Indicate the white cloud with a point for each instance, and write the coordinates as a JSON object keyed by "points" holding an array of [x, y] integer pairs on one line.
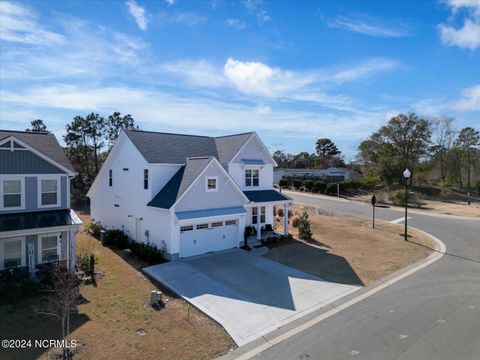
{"points": [[468, 35], [19, 24], [170, 2], [185, 18], [360, 70], [198, 114], [89, 51], [255, 78], [197, 73], [139, 13], [470, 99], [370, 26], [236, 23]]}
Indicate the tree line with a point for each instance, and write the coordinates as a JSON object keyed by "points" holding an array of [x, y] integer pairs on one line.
{"points": [[432, 149], [327, 155]]}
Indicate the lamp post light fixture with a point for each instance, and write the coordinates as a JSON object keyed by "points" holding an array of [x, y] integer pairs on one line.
{"points": [[406, 175]]}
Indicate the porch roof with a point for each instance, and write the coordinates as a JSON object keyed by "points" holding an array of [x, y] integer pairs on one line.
{"points": [[194, 214], [260, 196], [40, 219]]}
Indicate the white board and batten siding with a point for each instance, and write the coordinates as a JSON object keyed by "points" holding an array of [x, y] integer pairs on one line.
{"points": [[200, 241], [116, 208], [253, 150]]}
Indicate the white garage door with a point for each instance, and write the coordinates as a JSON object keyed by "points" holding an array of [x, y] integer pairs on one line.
{"points": [[207, 237]]}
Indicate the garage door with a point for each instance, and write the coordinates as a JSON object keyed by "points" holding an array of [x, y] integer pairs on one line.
{"points": [[197, 239]]}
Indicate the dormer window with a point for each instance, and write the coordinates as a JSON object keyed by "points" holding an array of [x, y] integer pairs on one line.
{"points": [[252, 177], [211, 183]]}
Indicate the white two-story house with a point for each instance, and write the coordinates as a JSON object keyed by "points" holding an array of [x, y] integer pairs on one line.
{"points": [[37, 226], [188, 194]]}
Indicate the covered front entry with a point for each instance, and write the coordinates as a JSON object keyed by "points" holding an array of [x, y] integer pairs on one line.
{"points": [[208, 236]]}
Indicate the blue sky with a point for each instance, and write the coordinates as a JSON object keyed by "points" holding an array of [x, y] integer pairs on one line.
{"points": [[293, 71]]}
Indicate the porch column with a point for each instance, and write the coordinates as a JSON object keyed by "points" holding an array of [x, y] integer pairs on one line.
{"points": [[259, 232], [285, 225]]}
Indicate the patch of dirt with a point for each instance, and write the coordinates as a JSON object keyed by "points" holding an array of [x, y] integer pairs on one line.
{"points": [[347, 250]]}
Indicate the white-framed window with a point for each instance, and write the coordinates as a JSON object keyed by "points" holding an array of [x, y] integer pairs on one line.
{"points": [[48, 248], [11, 146], [48, 191], [252, 177], [12, 253], [186, 228], [217, 224], [211, 183], [255, 215], [231, 222], [202, 226], [12, 191], [110, 177], [145, 179]]}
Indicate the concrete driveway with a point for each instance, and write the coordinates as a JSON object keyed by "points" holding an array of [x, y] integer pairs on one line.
{"points": [[249, 295]]}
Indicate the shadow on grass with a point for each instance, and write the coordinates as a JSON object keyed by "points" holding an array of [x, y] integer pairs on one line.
{"points": [[315, 261], [21, 321]]}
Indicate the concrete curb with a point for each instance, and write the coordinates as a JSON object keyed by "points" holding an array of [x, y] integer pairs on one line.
{"points": [[390, 207], [266, 343]]}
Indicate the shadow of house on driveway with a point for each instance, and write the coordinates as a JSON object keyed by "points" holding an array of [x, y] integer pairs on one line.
{"points": [[316, 261], [248, 294]]}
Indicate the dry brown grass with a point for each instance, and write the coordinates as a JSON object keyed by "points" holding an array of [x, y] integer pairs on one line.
{"points": [[348, 250], [118, 307]]}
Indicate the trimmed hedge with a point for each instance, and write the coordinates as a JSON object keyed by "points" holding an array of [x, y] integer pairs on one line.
{"points": [[332, 188], [308, 185], [297, 184], [319, 187], [145, 251], [117, 238]]}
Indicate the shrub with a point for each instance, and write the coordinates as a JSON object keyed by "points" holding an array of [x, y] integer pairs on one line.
{"points": [[295, 220], [283, 183], [332, 188], [397, 197], [319, 187], [280, 212], [117, 238], [147, 251], [353, 184], [308, 185], [297, 184], [477, 185], [304, 230], [370, 182], [93, 228]]}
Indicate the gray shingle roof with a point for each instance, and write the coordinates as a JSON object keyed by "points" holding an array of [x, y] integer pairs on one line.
{"points": [[265, 196], [46, 143], [180, 182], [158, 147]]}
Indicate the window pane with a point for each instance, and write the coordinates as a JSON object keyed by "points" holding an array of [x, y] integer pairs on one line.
{"points": [[202, 226], [212, 183], [255, 182], [12, 253], [49, 199], [255, 173], [217, 224], [11, 187], [12, 247], [49, 185], [49, 242], [12, 200], [49, 255]]}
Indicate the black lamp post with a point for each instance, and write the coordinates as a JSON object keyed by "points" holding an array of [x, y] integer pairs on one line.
{"points": [[406, 175]]}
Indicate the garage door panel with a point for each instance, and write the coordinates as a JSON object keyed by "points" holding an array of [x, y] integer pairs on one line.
{"points": [[201, 241]]}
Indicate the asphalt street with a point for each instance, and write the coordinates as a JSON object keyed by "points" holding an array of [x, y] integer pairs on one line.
{"points": [[433, 314]]}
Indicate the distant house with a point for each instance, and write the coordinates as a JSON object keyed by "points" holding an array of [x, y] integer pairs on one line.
{"points": [[37, 226], [330, 174], [187, 194]]}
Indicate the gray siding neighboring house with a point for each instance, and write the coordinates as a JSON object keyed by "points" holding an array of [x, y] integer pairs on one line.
{"points": [[330, 174], [37, 225]]}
